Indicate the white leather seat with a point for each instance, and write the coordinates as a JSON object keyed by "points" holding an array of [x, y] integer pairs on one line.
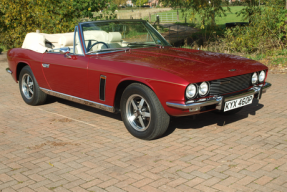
{"points": [[35, 42], [41, 42], [94, 36], [114, 40]]}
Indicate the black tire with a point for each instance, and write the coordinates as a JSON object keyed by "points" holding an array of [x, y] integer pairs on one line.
{"points": [[154, 119], [231, 112], [31, 94]]}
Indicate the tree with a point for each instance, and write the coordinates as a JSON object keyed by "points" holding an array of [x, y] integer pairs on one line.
{"points": [[119, 2], [18, 17], [139, 2]]}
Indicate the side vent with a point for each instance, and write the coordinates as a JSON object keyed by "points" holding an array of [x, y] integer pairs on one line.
{"points": [[102, 87]]}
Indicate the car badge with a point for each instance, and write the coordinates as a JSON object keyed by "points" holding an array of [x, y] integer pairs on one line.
{"points": [[232, 70], [225, 82]]}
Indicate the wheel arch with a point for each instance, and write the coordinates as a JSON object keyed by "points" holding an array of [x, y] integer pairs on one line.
{"points": [[122, 86], [19, 67]]}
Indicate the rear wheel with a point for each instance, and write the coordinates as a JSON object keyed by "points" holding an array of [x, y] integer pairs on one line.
{"points": [[29, 88], [142, 113]]}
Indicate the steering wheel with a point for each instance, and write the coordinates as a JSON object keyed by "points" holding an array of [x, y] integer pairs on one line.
{"points": [[91, 46]]}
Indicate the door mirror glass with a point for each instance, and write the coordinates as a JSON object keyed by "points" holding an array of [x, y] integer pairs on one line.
{"points": [[65, 51]]}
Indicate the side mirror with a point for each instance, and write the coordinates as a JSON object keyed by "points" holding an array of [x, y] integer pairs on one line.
{"points": [[65, 51]]}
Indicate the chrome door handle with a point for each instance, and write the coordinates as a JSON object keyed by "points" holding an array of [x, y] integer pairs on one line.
{"points": [[45, 65]]}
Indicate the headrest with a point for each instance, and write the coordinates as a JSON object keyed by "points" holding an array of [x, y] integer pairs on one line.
{"points": [[114, 36], [66, 40], [95, 35]]}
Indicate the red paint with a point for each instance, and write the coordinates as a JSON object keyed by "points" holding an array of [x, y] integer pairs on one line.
{"points": [[67, 76]]}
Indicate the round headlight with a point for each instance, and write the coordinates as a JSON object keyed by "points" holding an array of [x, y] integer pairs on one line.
{"points": [[262, 76], [254, 78], [203, 89], [191, 91]]}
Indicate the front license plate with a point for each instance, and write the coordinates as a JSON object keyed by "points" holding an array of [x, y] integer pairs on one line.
{"points": [[236, 103]]}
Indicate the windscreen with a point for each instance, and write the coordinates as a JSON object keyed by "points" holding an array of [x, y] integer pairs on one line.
{"points": [[120, 34]]}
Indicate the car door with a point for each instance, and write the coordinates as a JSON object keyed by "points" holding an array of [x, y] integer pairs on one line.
{"points": [[67, 75]]}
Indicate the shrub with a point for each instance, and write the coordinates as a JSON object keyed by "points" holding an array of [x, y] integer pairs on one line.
{"points": [[18, 17], [266, 30]]}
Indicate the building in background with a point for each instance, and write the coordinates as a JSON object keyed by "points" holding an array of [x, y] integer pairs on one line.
{"points": [[129, 3], [153, 2]]}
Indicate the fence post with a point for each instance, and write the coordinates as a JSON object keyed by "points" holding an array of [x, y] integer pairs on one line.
{"points": [[131, 17], [177, 16], [176, 31], [149, 17], [140, 15], [157, 21]]}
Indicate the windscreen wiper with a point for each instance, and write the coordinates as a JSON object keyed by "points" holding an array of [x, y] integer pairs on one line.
{"points": [[140, 43]]}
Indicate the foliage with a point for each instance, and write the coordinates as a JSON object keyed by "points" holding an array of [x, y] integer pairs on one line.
{"points": [[119, 2], [139, 2], [266, 31], [18, 17], [85, 8]]}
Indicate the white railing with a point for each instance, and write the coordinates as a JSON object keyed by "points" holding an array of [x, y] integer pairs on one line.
{"points": [[165, 17], [168, 17]]}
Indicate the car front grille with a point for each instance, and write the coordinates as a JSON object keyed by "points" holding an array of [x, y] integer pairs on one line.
{"points": [[230, 84]]}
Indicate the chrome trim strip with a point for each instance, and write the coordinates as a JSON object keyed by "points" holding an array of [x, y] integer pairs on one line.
{"points": [[74, 47], [218, 100], [79, 100], [80, 29], [8, 70]]}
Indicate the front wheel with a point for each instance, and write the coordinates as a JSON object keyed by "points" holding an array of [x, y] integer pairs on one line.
{"points": [[142, 113], [29, 88]]}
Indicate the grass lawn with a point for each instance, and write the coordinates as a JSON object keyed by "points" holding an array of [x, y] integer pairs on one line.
{"points": [[230, 16]]}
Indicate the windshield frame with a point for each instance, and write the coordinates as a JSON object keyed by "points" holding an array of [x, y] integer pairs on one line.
{"points": [[145, 23]]}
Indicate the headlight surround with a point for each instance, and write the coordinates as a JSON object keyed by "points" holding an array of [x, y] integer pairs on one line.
{"points": [[203, 89], [191, 91], [254, 78], [262, 76]]}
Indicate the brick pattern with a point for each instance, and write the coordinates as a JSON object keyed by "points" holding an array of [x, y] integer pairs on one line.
{"points": [[63, 146]]}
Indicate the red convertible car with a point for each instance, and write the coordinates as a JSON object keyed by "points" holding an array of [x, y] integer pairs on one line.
{"points": [[126, 66]]}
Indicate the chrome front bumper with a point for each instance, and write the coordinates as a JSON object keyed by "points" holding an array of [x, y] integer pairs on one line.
{"points": [[8, 70], [219, 101]]}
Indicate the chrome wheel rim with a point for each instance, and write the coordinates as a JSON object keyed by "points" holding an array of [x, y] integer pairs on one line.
{"points": [[27, 86], [138, 112]]}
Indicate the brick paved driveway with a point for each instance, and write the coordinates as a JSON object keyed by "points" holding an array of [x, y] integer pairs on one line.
{"points": [[63, 146]]}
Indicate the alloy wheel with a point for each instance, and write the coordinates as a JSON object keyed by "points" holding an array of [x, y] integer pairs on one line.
{"points": [[27, 86], [138, 112]]}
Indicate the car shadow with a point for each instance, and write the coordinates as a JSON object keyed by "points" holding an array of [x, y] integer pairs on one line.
{"points": [[210, 118], [187, 122], [52, 99]]}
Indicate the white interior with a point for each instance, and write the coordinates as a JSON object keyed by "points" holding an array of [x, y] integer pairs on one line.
{"points": [[42, 42], [112, 39]]}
